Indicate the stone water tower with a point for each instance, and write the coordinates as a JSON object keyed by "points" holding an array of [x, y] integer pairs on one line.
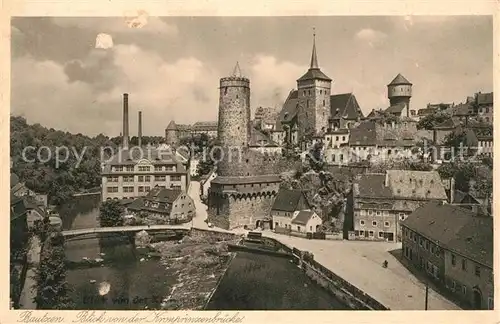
{"points": [[399, 91]]}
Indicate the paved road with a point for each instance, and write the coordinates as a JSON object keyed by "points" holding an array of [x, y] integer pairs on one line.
{"points": [[360, 263], [199, 221], [201, 209]]}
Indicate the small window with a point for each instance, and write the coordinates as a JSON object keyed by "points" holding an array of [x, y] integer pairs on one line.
{"points": [[362, 222], [464, 265], [387, 224], [379, 213], [490, 303], [370, 233], [381, 234], [477, 271], [464, 290], [374, 223], [453, 260]]}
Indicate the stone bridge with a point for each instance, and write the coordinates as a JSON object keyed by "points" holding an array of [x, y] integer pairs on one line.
{"points": [[71, 234]]}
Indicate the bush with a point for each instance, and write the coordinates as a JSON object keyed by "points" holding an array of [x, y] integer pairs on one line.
{"points": [[111, 214], [52, 288]]}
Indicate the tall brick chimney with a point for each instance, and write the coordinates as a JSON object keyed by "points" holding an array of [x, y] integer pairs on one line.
{"points": [[125, 121], [139, 130]]}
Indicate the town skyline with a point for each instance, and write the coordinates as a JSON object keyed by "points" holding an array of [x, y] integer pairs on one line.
{"points": [[83, 85]]}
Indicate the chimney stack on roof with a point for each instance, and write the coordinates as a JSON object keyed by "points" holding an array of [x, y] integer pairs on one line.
{"points": [[125, 121], [139, 131]]}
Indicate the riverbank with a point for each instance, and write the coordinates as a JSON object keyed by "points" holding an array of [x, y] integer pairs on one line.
{"points": [[198, 264]]}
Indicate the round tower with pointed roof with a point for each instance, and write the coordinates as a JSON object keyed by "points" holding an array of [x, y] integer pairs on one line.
{"points": [[399, 91], [234, 110]]}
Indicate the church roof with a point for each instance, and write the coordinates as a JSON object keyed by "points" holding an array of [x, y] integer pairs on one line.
{"points": [[344, 106], [314, 74], [289, 110], [400, 79]]}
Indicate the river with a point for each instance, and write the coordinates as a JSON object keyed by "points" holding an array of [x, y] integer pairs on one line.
{"points": [[253, 281]]}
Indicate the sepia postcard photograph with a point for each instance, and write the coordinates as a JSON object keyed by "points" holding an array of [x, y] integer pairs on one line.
{"points": [[236, 163]]}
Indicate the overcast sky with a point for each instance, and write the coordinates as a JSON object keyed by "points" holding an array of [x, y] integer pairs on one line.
{"points": [[171, 67]]}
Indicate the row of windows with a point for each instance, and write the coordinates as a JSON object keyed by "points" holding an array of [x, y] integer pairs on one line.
{"points": [[434, 249], [251, 185], [144, 178], [373, 212], [464, 265], [337, 138], [128, 189], [143, 168], [381, 234], [485, 144], [341, 157], [485, 110], [308, 92], [422, 241], [374, 223], [308, 105]]}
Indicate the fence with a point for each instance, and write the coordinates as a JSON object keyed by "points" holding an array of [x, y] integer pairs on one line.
{"points": [[310, 235]]}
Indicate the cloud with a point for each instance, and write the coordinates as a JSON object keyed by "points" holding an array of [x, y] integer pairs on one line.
{"points": [[85, 96], [41, 92], [128, 23], [272, 80], [370, 36]]}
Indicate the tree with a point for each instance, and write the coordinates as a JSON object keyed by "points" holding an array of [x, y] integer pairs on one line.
{"points": [[51, 285], [205, 166], [111, 213], [461, 172], [41, 228], [488, 161], [61, 180], [429, 121], [315, 157]]}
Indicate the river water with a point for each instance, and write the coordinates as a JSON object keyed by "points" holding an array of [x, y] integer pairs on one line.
{"points": [[253, 281]]}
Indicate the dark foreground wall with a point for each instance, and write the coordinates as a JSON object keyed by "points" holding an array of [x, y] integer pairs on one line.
{"points": [[352, 296], [264, 282]]}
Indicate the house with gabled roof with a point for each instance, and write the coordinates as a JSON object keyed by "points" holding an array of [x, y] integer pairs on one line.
{"points": [[164, 206], [381, 200], [344, 111], [453, 247], [305, 221], [287, 202], [484, 106]]}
